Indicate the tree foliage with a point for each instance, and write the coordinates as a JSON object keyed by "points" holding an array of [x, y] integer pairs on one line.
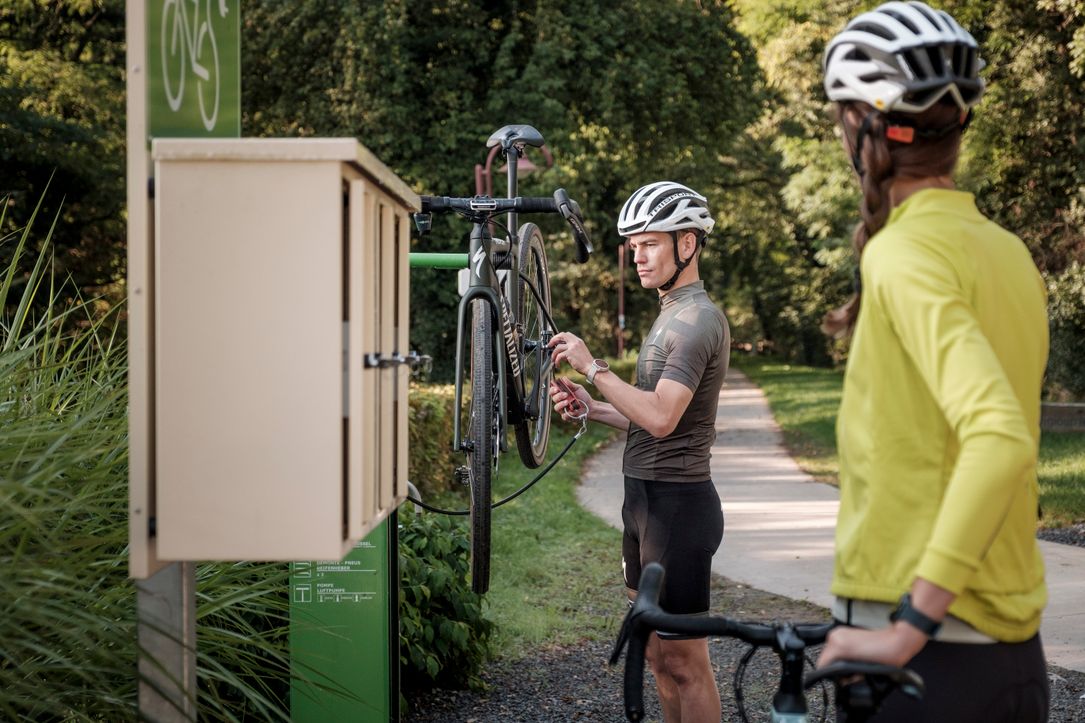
{"points": [[62, 111], [1022, 155], [725, 97], [624, 93]]}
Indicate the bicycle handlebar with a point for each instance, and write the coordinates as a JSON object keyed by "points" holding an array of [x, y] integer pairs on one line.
{"points": [[487, 205], [646, 616], [484, 206]]}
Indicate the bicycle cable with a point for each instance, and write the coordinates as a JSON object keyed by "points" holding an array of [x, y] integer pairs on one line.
{"points": [[517, 493], [583, 419], [736, 684], [740, 674]]}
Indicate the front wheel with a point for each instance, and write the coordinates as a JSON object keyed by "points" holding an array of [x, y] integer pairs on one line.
{"points": [[533, 429], [484, 435]]}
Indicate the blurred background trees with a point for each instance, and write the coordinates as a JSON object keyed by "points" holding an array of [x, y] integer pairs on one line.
{"points": [[723, 96], [62, 112]]}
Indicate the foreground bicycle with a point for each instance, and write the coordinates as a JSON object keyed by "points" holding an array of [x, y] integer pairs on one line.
{"points": [[503, 326], [860, 687]]}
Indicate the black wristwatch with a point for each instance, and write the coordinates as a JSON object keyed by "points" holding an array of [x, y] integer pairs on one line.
{"points": [[913, 617]]}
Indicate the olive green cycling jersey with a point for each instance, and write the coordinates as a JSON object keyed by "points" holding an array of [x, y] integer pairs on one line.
{"points": [[690, 344]]}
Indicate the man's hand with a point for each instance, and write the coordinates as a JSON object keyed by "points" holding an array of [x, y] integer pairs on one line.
{"points": [[571, 349], [571, 400]]}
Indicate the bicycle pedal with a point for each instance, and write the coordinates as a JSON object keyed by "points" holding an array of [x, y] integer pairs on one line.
{"points": [[463, 475]]}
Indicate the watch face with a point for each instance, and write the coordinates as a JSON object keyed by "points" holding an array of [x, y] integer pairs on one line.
{"points": [[601, 364]]}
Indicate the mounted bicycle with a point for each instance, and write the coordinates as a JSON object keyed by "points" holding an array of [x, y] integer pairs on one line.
{"points": [[860, 687], [503, 327]]}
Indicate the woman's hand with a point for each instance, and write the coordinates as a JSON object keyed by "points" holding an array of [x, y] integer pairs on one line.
{"points": [[895, 645], [571, 400]]}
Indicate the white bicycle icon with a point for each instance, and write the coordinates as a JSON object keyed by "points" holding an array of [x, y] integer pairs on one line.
{"points": [[191, 46]]}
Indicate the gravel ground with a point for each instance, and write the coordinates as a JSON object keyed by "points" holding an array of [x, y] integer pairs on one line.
{"points": [[1070, 535], [575, 683]]}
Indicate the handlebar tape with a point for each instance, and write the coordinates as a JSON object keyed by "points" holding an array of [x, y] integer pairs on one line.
{"points": [[536, 204], [433, 203], [634, 676], [524, 204], [651, 584]]}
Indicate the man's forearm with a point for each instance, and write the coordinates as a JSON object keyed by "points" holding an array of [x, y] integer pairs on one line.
{"points": [[643, 408], [605, 413]]}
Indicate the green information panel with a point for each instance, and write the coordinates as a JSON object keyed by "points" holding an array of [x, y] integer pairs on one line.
{"points": [[194, 68], [341, 641]]}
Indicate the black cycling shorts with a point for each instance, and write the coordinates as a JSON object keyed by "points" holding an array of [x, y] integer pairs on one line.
{"points": [[974, 683], [680, 526]]}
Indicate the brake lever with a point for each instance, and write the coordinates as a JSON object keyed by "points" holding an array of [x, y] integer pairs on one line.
{"points": [[570, 211]]}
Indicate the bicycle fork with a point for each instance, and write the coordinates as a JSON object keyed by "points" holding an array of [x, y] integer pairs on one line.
{"points": [[483, 285]]}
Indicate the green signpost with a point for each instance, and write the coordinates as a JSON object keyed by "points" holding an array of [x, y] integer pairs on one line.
{"points": [[344, 650], [344, 635]]}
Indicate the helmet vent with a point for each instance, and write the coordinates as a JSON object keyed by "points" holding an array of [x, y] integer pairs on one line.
{"points": [[938, 62], [914, 65], [930, 16], [903, 21], [875, 30]]}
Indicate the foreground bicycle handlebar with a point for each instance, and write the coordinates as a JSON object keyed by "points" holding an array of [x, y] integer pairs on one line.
{"points": [[481, 208], [858, 699]]}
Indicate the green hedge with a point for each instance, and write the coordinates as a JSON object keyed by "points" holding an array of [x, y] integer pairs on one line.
{"points": [[432, 461], [1066, 310], [444, 637]]}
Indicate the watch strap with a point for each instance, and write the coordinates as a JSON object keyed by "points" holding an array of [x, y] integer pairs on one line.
{"points": [[913, 617], [597, 365]]}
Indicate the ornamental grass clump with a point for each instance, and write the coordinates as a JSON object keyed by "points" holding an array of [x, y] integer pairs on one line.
{"points": [[67, 609], [68, 633]]}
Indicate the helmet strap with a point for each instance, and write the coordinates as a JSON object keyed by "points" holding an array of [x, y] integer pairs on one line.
{"points": [[678, 262], [864, 128], [904, 130]]}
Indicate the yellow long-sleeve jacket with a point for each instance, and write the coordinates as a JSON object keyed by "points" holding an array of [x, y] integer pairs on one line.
{"points": [[939, 428]]}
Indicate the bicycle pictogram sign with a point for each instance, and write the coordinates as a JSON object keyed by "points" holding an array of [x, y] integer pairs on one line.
{"points": [[188, 44]]}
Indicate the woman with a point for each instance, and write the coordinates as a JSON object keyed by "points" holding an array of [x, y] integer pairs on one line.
{"points": [[937, 565]]}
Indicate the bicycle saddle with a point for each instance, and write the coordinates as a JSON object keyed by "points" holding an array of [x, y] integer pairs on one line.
{"points": [[509, 136]]}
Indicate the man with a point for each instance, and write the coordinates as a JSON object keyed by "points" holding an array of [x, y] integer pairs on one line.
{"points": [[671, 512]]}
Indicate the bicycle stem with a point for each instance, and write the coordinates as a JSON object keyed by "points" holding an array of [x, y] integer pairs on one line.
{"points": [[791, 649]]}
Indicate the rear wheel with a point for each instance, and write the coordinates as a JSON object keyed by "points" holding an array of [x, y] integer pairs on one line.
{"points": [[533, 429], [483, 434]]}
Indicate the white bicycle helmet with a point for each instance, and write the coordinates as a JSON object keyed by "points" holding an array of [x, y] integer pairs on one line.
{"points": [[665, 206], [668, 207], [903, 56]]}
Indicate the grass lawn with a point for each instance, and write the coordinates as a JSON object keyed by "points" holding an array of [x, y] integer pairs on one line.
{"points": [[555, 567], [804, 401]]}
